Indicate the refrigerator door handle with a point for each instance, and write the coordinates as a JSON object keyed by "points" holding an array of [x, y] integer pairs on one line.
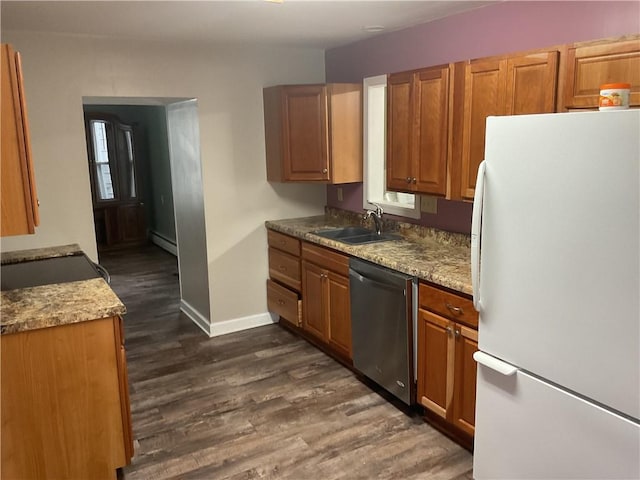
{"points": [[476, 234], [494, 364]]}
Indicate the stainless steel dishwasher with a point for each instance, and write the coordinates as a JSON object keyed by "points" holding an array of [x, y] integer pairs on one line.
{"points": [[383, 326]]}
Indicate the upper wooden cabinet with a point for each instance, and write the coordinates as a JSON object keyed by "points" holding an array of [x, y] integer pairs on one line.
{"points": [[512, 85], [589, 65], [19, 202], [417, 126], [313, 133]]}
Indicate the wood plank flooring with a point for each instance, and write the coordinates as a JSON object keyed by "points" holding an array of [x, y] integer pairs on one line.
{"points": [[255, 404]]}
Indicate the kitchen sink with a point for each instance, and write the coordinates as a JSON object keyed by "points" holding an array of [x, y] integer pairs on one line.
{"points": [[355, 235]]}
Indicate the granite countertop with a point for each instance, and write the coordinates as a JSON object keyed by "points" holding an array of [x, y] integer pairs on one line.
{"points": [[31, 308], [436, 256], [20, 256]]}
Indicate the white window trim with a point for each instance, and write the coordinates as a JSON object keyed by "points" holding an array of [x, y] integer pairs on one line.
{"points": [[368, 188]]}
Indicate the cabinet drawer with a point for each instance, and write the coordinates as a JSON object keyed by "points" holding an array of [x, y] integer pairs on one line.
{"points": [[283, 242], [285, 268], [284, 302], [448, 305], [326, 258]]}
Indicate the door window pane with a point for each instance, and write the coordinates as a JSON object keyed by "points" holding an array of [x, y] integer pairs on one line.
{"points": [[131, 172], [104, 178]]}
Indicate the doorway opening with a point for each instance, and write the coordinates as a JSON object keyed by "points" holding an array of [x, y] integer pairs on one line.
{"points": [[130, 174], [146, 181]]}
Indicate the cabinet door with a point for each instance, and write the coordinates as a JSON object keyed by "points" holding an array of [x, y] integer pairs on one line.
{"points": [[431, 139], [400, 124], [464, 388], [435, 361], [590, 66], [484, 94], [19, 202], [531, 83], [314, 298], [339, 313], [304, 133], [123, 378], [62, 397]]}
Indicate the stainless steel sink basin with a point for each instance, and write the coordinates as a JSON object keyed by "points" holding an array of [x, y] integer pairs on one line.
{"points": [[355, 235]]}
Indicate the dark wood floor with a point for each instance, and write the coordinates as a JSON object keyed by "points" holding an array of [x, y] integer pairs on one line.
{"points": [[255, 404]]}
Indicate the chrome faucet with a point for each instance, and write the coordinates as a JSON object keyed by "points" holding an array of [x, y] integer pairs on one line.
{"points": [[377, 217]]}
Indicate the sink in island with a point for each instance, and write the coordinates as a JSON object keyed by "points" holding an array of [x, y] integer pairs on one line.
{"points": [[65, 400]]}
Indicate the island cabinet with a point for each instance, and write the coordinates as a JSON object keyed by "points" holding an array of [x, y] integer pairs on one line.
{"points": [[313, 133], [65, 402], [417, 130], [19, 202], [283, 285], [447, 339], [326, 313], [513, 85], [591, 64]]}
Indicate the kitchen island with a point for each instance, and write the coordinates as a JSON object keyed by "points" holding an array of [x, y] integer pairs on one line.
{"points": [[65, 401]]}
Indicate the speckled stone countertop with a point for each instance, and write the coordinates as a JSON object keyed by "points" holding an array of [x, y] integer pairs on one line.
{"points": [[58, 304], [436, 256], [20, 256]]}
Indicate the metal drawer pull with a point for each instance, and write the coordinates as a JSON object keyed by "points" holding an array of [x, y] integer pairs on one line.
{"points": [[281, 302], [457, 332], [449, 330], [456, 310]]}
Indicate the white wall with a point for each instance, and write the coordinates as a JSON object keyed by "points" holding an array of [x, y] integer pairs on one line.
{"points": [[227, 82]]}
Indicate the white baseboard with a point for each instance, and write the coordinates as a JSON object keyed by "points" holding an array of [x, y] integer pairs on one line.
{"points": [[196, 317], [227, 326], [163, 243], [244, 323]]}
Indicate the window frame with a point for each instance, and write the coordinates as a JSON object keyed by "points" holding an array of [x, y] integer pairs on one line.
{"points": [[370, 183]]}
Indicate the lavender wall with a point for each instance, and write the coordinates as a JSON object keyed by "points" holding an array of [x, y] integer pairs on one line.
{"points": [[493, 30]]}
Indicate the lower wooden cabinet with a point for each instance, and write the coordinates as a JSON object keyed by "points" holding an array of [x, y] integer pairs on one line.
{"points": [[283, 286], [325, 297], [446, 368], [308, 289], [65, 402]]}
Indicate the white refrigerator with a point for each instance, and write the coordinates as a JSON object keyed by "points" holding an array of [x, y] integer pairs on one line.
{"points": [[555, 252]]}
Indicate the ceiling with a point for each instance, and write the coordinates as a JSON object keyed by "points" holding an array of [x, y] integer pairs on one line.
{"points": [[306, 23]]}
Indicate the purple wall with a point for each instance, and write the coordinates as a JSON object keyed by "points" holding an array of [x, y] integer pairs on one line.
{"points": [[493, 30]]}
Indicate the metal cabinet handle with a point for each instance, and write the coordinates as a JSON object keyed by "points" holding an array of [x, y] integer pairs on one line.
{"points": [[449, 330], [457, 333], [324, 170], [414, 180], [408, 179], [456, 310]]}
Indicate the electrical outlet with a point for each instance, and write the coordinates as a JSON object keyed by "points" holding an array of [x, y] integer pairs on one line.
{"points": [[340, 198], [428, 204]]}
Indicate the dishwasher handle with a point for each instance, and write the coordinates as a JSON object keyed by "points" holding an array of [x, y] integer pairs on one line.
{"points": [[354, 275]]}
